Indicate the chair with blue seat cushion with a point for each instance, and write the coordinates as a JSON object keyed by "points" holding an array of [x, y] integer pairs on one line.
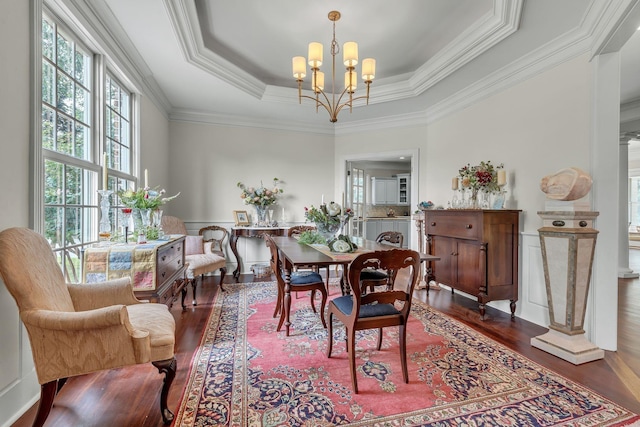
{"points": [[299, 281], [371, 277], [372, 310]]}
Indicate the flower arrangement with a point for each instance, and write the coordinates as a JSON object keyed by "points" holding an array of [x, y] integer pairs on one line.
{"points": [[144, 198], [325, 214], [260, 196], [328, 219], [481, 177]]}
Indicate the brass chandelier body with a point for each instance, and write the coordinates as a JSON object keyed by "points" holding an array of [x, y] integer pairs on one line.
{"points": [[333, 102]]}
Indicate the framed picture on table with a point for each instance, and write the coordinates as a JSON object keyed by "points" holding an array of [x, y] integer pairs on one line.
{"points": [[241, 217]]}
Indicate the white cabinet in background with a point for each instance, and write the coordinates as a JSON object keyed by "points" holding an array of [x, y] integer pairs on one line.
{"points": [[373, 227], [404, 187], [384, 191]]}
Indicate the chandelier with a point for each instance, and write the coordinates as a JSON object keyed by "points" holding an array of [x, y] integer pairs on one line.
{"points": [[350, 59]]}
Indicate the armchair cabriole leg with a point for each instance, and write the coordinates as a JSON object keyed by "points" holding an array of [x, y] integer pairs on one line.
{"points": [[47, 394], [167, 367]]}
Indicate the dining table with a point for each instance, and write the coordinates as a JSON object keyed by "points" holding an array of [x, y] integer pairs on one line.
{"points": [[297, 254]]}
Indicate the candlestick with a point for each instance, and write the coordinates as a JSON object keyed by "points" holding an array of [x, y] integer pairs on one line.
{"points": [[146, 178], [104, 171], [104, 231]]}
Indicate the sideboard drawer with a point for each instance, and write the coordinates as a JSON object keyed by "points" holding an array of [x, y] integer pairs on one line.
{"points": [[170, 252], [462, 225], [170, 260]]}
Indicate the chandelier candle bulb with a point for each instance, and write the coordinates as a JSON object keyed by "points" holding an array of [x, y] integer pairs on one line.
{"points": [[299, 67], [502, 177], [350, 55], [368, 69], [315, 54], [454, 183]]}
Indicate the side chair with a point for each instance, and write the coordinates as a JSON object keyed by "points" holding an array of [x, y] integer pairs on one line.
{"points": [[198, 256], [76, 329], [372, 277], [376, 309], [299, 281], [217, 237]]}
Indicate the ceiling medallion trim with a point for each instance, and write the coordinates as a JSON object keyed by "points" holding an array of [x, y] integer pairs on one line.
{"points": [[494, 27]]}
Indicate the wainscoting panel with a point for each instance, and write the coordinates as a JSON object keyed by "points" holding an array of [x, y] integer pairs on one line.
{"points": [[533, 295]]}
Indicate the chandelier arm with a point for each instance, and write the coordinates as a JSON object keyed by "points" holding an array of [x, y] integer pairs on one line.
{"points": [[318, 103]]}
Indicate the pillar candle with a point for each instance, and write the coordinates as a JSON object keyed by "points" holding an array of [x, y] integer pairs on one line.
{"points": [[104, 171], [146, 178], [502, 177], [454, 183]]}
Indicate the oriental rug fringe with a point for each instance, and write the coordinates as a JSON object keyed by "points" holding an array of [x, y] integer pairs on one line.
{"points": [[246, 374]]}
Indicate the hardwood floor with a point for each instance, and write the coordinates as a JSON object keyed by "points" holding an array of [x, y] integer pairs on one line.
{"points": [[130, 396]]}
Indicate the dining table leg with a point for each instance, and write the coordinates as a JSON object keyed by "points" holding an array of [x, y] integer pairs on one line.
{"points": [[286, 301]]}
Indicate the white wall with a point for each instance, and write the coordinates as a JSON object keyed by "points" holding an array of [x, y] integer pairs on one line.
{"points": [[154, 152], [207, 161], [535, 128], [18, 384]]}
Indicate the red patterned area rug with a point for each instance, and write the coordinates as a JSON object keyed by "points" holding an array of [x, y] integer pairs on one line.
{"points": [[247, 374]]}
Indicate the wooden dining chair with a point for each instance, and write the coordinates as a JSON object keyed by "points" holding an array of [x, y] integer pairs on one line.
{"points": [[376, 309], [297, 230], [372, 277], [299, 281]]}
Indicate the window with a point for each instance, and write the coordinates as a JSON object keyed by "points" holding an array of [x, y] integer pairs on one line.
{"points": [[72, 142]]}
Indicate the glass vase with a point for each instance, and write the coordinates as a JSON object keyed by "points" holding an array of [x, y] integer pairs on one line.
{"points": [[328, 230], [473, 199], [261, 216], [156, 221]]}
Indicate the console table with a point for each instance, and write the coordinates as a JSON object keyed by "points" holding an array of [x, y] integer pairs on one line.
{"points": [[251, 232], [156, 268]]}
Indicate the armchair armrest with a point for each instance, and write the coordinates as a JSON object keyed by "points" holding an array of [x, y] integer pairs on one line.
{"points": [[99, 318], [103, 294], [66, 344]]}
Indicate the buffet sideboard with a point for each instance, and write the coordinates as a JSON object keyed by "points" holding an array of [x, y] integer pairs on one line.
{"points": [[478, 251]]}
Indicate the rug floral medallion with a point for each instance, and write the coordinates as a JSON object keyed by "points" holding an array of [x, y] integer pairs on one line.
{"points": [[246, 374]]}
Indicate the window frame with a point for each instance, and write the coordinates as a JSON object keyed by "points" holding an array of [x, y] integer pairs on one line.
{"points": [[91, 164]]}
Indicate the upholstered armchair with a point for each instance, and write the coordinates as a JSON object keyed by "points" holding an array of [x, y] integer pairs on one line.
{"points": [[198, 256], [83, 328]]}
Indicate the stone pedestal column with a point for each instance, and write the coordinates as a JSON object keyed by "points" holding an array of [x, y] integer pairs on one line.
{"points": [[568, 241]]}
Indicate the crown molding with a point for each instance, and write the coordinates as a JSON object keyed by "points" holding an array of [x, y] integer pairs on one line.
{"points": [[486, 33], [103, 30], [250, 122], [494, 27], [184, 19]]}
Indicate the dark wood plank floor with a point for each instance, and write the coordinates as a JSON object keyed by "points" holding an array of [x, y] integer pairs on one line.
{"points": [[129, 396]]}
